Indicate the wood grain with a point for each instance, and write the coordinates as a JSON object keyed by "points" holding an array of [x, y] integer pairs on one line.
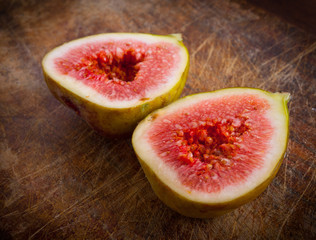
{"points": [[61, 180]]}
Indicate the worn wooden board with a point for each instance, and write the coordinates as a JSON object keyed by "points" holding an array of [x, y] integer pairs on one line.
{"points": [[61, 180]]}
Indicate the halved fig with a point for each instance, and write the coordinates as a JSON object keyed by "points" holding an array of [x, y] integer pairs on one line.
{"points": [[114, 80], [209, 153]]}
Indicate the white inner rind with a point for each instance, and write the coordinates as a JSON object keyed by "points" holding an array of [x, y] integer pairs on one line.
{"points": [[277, 146], [91, 94]]}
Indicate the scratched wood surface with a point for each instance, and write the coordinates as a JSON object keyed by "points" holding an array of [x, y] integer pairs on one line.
{"points": [[61, 180]]}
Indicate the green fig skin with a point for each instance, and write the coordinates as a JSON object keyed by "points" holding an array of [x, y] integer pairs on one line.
{"points": [[195, 209], [113, 122], [116, 122]]}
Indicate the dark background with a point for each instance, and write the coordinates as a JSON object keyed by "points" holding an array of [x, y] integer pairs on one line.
{"points": [[61, 180]]}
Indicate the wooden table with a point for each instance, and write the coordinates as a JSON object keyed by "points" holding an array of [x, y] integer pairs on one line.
{"points": [[61, 180]]}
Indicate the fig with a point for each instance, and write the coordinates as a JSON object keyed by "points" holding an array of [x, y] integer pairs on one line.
{"points": [[114, 80], [209, 153]]}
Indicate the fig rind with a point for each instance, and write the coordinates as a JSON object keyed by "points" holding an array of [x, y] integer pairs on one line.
{"points": [[195, 209]]}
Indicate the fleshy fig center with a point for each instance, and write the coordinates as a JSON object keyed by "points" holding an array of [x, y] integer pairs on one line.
{"points": [[213, 143], [120, 66]]}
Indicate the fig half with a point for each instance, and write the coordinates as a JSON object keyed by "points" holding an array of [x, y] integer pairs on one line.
{"points": [[209, 153], [114, 80]]}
